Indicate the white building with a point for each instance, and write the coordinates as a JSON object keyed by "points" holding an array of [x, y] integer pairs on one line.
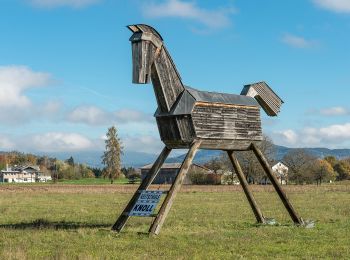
{"points": [[23, 174], [281, 172]]}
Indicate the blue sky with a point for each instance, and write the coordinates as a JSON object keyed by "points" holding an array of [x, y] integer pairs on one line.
{"points": [[65, 67]]}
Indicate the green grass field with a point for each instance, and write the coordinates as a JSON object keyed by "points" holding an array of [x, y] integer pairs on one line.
{"points": [[94, 181], [83, 181], [73, 222]]}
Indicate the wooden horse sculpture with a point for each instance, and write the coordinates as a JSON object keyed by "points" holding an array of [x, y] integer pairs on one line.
{"points": [[189, 118]]}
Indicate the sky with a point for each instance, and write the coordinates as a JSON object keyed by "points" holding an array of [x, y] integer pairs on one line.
{"points": [[65, 67]]}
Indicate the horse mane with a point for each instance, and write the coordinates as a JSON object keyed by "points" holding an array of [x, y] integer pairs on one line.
{"points": [[144, 28], [172, 62]]}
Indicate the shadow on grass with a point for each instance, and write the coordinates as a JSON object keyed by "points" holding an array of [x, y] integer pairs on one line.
{"points": [[45, 224]]}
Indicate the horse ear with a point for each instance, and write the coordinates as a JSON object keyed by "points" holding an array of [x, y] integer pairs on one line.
{"points": [[133, 28]]}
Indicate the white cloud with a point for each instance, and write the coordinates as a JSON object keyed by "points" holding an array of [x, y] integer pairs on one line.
{"points": [[144, 143], [62, 3], [15, 105], [189, 10], [335, 133], [47, 142], [339, 6], [92, 115], [6, 143], [332, 136], [130, 115], [334, 111], [75, 142], [297, 41], [50, 108], [58, 141], [289, 136], [14, 81], [15, 116]]}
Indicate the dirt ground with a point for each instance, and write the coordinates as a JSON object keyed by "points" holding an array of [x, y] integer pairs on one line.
{"points": [[71, 188]]}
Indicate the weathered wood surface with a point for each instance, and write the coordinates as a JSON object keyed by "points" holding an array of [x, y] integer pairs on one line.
{"points": [[199, 114], [175, 187], [186, 128], [147, 181], [189, 118], [253, 204], [225, 122], [214, 144], [176, 128], [142, 54], [266, 97], [166, 81], [265, 164]]}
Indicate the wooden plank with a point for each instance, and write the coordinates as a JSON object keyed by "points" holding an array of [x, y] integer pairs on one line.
{"points": [[136, 61], [265, 96], [186, 128], [229, 122], [265, 164], [214, 144], [167, 81], [210, 104], [168, 128], [257, 212], [175, 187], [236, 145], [158, 90], [123, 218], [220, 136]]}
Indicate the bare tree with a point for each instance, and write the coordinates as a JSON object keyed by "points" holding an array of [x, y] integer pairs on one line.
{"points": [[250, 165], [215, 165], [299, 163]]}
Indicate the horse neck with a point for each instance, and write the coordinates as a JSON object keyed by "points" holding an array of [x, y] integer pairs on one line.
{"points": [[166, 81]]}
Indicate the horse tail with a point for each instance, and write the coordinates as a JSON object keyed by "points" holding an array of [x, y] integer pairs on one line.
{"points": [[266, 97]]}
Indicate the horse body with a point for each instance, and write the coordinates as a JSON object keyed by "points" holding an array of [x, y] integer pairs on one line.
{"points": [[189, 118], [184, 114]]}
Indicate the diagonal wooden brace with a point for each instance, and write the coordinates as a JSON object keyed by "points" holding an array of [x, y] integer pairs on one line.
{"points": [[147, 181], [257, 212], [175, 187], [265, 164]]}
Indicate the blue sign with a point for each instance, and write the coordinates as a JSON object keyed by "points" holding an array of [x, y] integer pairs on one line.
{"points": [[146, 203]]}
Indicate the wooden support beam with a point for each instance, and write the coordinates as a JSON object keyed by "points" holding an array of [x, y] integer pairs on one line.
{"points": [[175, 187], [257, 212], [147, 181], [265, 164]]}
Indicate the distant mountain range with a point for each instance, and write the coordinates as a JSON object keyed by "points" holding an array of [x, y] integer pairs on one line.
{"points": [[93, 158], [204, 156], [281, 151], [138, 159]]}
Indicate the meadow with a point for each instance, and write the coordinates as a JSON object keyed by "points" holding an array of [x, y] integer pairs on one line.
{"points": [[70, 221]]}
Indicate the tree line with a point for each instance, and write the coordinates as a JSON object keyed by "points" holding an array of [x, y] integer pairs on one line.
{"points": [[58, 169], [303, 168], [69, 169]]}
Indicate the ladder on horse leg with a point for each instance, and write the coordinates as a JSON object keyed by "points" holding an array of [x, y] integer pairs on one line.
{"points": [[171, 194]]}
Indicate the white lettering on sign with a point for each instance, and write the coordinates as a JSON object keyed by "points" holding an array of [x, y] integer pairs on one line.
{"points": [[146, 203]]}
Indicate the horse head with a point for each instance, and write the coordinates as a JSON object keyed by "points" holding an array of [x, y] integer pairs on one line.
{"points": [[146, 45]]}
